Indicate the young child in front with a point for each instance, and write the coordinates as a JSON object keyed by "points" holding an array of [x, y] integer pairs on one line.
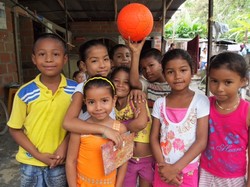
{"points": [[94, 55], [137, 118], [84, 164], [180, 125], [120, 56], [38, 111], [153, 82], [224, 162]]}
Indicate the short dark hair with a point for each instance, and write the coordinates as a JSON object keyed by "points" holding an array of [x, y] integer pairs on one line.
{"points": [[151, 52], [114, 49], [76, 73], [51, 36], [117, 70], [231, 61], [83, 49], [177, 54]]}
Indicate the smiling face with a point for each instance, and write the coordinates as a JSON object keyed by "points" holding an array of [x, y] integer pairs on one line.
{"points": [[121, 82], [178, 74], [49, 57], [99, 102], [97, 61], [121, 57], [224, 84]]}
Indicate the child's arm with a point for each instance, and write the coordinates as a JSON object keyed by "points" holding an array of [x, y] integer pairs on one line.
{"points": [[71, 161], [135, 57], [137, 96], [22, 140], [73, 124], [61, 152], [140, 121], [170, 170], [154, 141], [121, 172], [156, 149]]}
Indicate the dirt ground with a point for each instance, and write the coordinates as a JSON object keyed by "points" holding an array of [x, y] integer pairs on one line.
{"points": [[9, 167]]}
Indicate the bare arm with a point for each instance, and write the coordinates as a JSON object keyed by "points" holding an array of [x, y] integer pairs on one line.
{"points": [[121, 172], [73, 124], [134, 70], [71, 161], [61, 152], [140, 121], [155, 141], [157, 153], [172, 170], [22, 140]]}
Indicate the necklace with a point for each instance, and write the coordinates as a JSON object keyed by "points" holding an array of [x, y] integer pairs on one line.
{"points": [[228, 109]]}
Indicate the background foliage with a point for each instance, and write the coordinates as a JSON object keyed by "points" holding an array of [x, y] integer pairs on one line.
{"points": [[193, 15]]}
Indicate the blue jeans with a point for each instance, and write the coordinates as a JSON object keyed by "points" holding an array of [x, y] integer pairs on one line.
{"points": [[35, 176]]}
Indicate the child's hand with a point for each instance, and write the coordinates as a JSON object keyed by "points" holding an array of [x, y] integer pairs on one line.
{"points": [[61, 153], [167, 172], [177, 181], [47, 158], [134, 46], [137, 96], [137, 112], [113, 135], [60, 158]]}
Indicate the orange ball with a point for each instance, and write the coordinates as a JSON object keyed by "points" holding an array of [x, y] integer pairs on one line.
{"points": [[135, 21]]}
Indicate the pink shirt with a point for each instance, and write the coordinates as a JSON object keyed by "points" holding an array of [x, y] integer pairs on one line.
{"points": [[225, 155]]}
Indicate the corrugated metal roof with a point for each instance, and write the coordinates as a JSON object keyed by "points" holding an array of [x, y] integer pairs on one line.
{"points": [[94, 10]]}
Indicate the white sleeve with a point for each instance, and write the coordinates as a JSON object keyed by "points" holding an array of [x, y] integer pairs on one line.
{"points": [[203, 106], [144, 84], [79, 88], [157, 107]]}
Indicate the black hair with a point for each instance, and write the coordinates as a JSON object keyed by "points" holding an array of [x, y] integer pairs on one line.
{"points": [[177, 54], [78, 63], [76, 73], [172, 44], [231, 61], [83, 49], [98, 82], [118, 69], [114, 49], [151, 52], [50, 36]]}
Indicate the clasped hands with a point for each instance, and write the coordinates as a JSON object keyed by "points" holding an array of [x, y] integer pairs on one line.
{"points": [[169, 174]]}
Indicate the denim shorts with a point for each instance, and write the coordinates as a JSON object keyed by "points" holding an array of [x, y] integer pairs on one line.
{"points": [[36, 176]]}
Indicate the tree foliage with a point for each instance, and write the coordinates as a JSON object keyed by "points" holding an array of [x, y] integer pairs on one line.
{"points": [[193, 16]]}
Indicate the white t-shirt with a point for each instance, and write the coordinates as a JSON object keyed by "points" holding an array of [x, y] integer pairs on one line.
{"points": [[177, 138], [85, 115]]}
